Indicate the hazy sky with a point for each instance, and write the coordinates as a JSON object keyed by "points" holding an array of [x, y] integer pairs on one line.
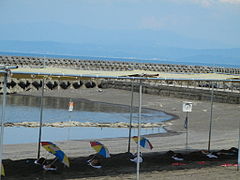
{"points": [[214, 20]]}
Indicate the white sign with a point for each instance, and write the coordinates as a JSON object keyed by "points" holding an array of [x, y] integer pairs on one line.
{"points": [[70, 106], [187, 107]]}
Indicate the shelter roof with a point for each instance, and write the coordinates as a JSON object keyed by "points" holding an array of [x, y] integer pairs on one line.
{"points": [[74, 74]]}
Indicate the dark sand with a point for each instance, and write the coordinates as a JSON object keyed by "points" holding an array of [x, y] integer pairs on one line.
{"points": [[118, 166], [156, 164]]}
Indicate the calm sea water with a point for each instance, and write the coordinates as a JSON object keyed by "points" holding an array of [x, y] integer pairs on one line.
{"points": [[27, 109]]}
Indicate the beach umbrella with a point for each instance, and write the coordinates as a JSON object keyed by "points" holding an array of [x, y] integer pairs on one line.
{"points": [[100, 148], [2, 171], [144, 142], [56, 151]]}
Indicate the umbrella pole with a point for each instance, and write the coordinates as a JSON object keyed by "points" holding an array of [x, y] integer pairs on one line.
{"points": [[139, 128], [53, 161], [210, 125], [130, 122], [3, 118], [92, 158], [40, 122]]}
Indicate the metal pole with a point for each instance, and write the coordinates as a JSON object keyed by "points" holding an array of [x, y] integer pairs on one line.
{"points": [[41, 119], [186, 126], [70, 109], [6, 71], [68, 129], [44, 63], [210, 125], [238, 148], [130, 122], [3, 118], [139, 128]]}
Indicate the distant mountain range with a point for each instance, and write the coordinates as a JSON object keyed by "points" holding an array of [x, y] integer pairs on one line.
{"points": [[57, 32], [127, 51]]}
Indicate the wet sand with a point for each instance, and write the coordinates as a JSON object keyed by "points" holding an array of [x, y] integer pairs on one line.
{"points": [[224, 135]]}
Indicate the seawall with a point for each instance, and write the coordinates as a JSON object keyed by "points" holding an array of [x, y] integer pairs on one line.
{"points": [[111, 65]]}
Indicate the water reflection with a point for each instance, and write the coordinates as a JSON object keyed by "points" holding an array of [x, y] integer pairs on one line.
{"points": [[26, 108], [19, 135]]}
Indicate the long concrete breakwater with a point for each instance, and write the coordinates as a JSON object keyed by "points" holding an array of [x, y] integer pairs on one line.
{"points": [[111, 65], [226, 92]]}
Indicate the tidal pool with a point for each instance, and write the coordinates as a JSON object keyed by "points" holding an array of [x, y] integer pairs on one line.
{"points": [[27, 109]]}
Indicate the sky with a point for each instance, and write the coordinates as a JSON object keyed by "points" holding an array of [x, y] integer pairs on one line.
{"points": [[216, 22]]}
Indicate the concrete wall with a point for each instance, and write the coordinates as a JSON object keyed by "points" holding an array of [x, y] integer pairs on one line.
{"points": [[110, 65], [193, 93]]}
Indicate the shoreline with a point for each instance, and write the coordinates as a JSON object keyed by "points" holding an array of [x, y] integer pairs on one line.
{"points": [[79, 124]]}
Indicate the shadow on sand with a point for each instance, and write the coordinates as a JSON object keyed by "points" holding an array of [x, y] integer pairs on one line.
{"points": [[117, 164]]}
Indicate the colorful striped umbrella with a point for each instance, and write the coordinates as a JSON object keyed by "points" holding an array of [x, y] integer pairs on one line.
{"points": [[2, 171], [55, 150], [100, 148], [144, 142]]}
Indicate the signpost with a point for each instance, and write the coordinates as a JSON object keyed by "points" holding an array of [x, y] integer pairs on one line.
{"points": [[70, 106], [187, 107]]}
